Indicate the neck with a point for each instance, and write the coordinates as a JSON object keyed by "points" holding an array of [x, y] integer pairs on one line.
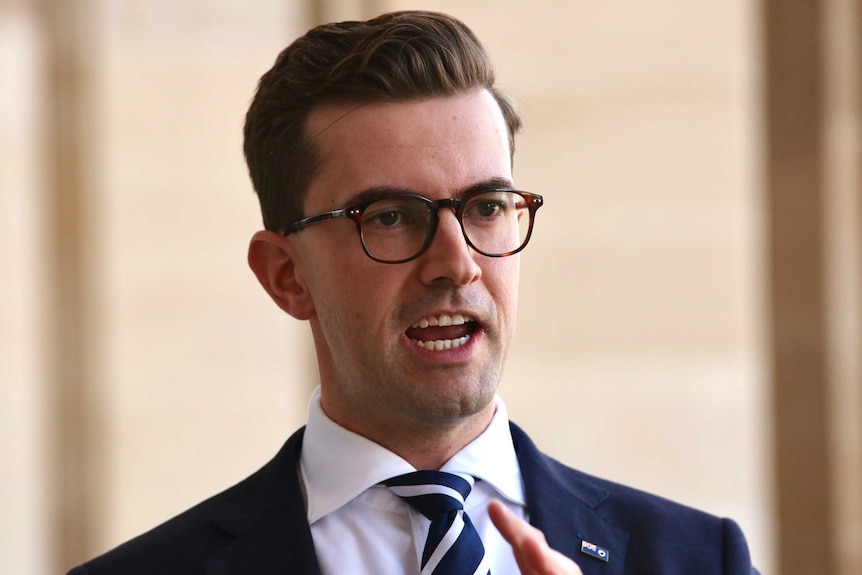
{"points": [[424, 446]]}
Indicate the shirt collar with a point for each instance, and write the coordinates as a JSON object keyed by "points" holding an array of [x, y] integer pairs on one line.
{"points": [[337, 465]]}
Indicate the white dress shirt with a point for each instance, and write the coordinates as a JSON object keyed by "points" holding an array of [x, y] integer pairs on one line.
{"points": [[359, 526]]}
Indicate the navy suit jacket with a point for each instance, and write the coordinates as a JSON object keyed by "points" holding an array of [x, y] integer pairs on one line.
{"points": [[259, 527]]}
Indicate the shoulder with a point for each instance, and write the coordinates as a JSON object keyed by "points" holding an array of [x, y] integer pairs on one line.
{"points": [[183, 544], [629, 507], [664, 533], [660, 534]]}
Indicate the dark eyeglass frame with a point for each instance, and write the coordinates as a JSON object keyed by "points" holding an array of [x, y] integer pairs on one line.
{"points": [[355, 212]]}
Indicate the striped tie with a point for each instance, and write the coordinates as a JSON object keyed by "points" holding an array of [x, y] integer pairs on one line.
{"points": [[453, 546]]}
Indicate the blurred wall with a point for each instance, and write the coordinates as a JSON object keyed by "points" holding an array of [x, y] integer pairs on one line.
{"points": [[23, 431], [642, 353]]}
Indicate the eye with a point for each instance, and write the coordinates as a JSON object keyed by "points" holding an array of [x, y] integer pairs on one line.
{"points": [[487, 209], [395, 214], [488, 206], [386, 219]]}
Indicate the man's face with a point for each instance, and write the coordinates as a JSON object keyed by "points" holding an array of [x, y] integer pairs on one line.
{"points": [[369, 316]]}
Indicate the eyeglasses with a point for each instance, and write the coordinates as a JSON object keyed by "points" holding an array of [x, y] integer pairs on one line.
{"points": [[398, 228]]}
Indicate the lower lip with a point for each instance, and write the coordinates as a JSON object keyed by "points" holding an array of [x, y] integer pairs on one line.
{"points": [[447, 355]]}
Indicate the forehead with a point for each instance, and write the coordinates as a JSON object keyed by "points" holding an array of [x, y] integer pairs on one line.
{"points": [[434, 146]]}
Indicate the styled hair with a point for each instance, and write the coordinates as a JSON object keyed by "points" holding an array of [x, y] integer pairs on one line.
{"points": [[395, 57]]}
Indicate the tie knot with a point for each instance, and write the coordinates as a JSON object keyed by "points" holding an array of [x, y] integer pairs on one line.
{"points": [[432, 493]]}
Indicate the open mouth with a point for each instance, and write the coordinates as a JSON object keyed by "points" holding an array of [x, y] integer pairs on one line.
{"points": [[441, 332]]}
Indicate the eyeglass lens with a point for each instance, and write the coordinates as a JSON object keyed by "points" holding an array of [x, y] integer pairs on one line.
{"points": [[494, 223]]}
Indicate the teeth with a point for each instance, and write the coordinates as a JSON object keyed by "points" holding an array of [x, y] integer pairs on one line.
{"points": [[441, 344], [442, 320]]}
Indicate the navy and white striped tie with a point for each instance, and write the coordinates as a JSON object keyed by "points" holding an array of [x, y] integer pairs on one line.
{"points": [[453, 546]]}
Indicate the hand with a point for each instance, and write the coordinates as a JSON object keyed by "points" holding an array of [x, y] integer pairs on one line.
{"points": [[531, 550]]}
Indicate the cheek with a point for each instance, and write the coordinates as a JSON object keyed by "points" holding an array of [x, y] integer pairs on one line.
{"points": [[501, 280], [367, 291], [504, 274]]}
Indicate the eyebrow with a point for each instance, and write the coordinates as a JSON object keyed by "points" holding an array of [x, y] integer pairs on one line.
{"points": [[380, 192]]}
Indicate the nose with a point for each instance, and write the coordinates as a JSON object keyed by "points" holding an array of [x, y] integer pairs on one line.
{"points": [[449, 258]]}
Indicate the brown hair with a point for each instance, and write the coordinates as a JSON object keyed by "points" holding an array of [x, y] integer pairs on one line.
{"points": [[394, 57]]}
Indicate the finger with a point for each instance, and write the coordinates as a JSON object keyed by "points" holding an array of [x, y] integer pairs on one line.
{"points": [[504, 521], [531, 550], [516, 535]]}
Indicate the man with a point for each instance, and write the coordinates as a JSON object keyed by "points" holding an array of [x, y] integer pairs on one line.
{"points": [[382, 156]]}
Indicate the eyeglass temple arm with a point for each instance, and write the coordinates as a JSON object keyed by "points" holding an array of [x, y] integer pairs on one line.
{"points": [[316, 219]]}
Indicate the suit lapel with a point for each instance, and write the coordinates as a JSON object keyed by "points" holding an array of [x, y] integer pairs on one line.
{"points": [[267, 520], [268, 523], [273, 552], [564, 508]]}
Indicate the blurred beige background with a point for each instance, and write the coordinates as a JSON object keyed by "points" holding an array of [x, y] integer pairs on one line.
{"points": [[142, 368]]}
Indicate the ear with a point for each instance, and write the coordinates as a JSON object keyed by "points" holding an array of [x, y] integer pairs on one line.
{"points": [[273, 259]]}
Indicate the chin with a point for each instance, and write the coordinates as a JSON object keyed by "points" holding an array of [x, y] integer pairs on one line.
{"points": [[454, 407]]}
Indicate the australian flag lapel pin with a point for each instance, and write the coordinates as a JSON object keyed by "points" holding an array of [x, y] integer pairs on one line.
{"points": [[594, 550]]}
